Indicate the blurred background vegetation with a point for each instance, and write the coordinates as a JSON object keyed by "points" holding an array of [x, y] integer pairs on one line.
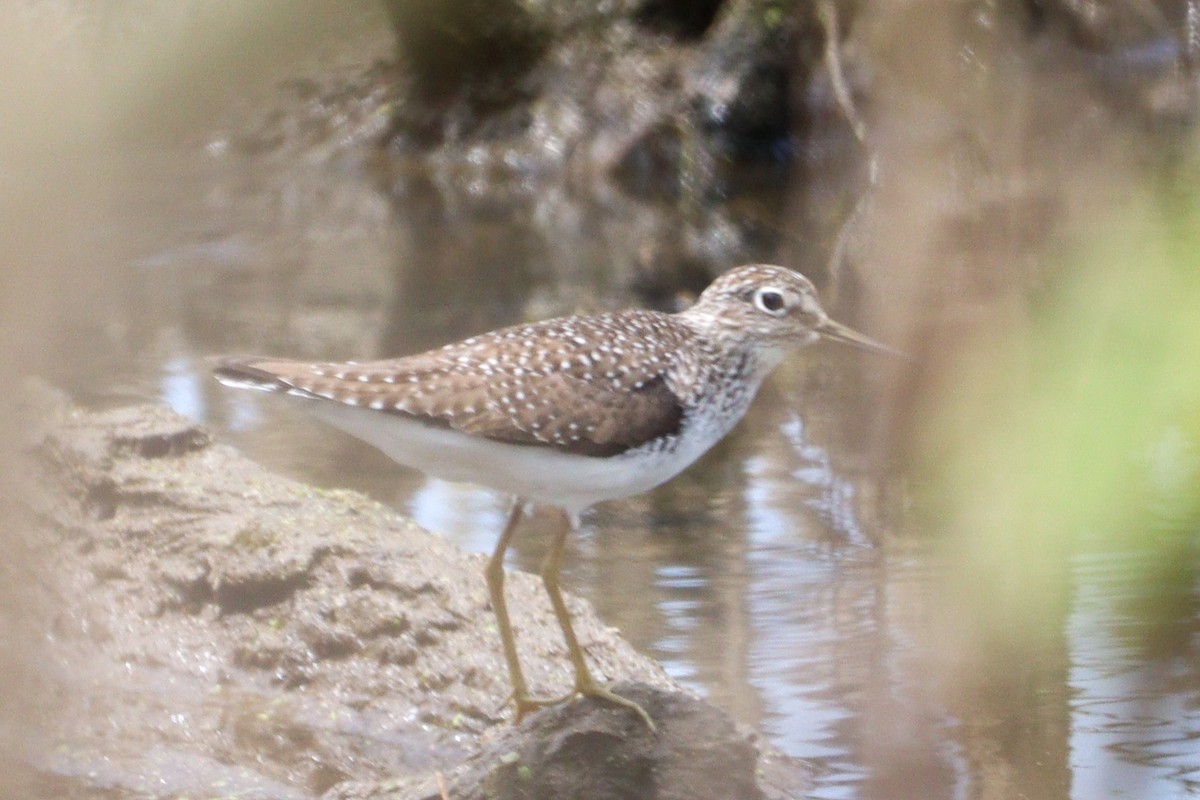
{"points": [[1072, 429]]}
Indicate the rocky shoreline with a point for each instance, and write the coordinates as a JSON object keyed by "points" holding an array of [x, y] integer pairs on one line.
{"points": [[218, 629]]}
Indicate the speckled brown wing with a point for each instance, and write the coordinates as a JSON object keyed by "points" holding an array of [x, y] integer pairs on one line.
{"points": [[586, 385]]}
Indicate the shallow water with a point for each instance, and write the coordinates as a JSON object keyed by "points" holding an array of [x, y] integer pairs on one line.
{"points": [[768, 576], [781, 575]]}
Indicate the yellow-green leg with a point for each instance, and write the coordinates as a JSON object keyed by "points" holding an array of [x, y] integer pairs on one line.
{"points": [[585, 684], [495, 581]]}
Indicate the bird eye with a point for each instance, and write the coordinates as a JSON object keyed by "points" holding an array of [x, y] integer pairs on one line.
{"points": [[769, 300]]}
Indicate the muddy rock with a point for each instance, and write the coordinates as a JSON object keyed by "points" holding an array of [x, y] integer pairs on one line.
{"points": [[633, 113], [587, 83], [215, 626], [584, 749]]}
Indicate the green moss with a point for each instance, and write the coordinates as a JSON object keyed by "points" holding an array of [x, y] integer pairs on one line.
{"points": [[253, 537]]}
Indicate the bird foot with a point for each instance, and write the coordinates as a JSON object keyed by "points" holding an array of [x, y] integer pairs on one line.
{"points": [[593, 689], [525, 704]]}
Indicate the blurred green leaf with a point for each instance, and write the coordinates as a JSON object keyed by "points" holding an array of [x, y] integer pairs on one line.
{"points": [[1076, 424]]}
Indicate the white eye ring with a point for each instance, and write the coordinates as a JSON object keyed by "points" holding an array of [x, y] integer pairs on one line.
{"points": [[771, 301]]}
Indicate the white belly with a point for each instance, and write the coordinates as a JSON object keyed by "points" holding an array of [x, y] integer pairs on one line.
{"points": [[539, 474]]}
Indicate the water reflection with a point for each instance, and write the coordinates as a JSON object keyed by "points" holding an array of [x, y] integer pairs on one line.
{"points": [[181, 392], [833, 496], [762, 577], [1128, 737], [754, 580]]}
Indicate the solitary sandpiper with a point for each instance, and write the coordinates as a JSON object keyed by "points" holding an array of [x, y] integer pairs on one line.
{"points": [[567, 412]]}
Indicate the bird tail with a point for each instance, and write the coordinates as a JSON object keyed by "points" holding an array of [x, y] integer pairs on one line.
{"points": [[243, 372]]}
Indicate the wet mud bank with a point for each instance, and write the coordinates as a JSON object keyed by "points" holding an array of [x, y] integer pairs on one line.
{"points": [[221, 630]]}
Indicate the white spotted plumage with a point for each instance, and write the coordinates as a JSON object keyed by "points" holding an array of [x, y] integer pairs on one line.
{"points": [[568, 411]]}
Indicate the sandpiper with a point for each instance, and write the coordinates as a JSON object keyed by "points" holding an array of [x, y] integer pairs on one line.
{"points": [[568, 412]]}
